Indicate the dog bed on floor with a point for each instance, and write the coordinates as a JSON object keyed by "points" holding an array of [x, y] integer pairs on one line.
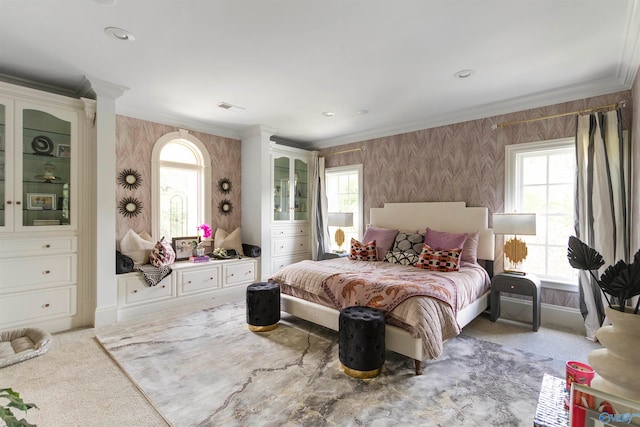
{"points": [[21, 344]]}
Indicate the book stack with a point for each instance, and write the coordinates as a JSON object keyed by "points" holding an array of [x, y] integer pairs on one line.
{"points": [[199, 258]]}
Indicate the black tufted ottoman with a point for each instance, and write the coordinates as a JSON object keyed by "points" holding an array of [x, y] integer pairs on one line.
{"points": [[361, 347], [263, 306]]}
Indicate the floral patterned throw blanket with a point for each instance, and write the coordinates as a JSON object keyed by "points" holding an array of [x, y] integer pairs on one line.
{"points": [[385, 291]]}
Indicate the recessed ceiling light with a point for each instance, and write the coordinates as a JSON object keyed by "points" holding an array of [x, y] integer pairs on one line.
{"points": [[120, 34], [463, 74], [230, 107], [361, 112], [329, 114]]}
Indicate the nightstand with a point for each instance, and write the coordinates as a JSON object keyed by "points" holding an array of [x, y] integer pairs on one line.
{"points": [[527, 284]]}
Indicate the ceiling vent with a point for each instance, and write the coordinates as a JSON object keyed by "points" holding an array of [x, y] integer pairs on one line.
{"points": [[230, 107]]}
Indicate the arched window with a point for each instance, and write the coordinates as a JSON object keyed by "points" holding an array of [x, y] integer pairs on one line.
{"points": [[181, 185]]}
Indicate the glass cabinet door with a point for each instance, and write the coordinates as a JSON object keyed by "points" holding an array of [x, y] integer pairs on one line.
{"points": [[301, 190], [281, 189], [46, 171]]}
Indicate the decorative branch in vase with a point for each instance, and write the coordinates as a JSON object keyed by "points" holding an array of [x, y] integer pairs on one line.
{"points": [[198, 248], [619, 282]]}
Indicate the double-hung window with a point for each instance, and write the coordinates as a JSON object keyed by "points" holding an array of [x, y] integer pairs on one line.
{"points": [[344, 194], [540, 179]]}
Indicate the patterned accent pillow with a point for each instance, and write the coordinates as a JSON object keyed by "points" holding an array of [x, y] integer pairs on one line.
{"points": [[363, 252], [446, 260], [403, 258], [408, 242]]}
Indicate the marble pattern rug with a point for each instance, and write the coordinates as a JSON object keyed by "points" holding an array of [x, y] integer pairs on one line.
{"points": [[207, 369]]}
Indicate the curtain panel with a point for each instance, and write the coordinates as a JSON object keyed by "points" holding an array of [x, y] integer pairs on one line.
{"points": [[602, 203], [319, 215]]}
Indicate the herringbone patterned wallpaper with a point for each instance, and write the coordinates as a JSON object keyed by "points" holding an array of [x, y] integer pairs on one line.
{"points": [[134, 144], [460, 162]]}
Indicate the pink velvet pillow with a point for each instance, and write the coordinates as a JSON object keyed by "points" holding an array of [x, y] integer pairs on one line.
{"points": [[468, 242], [384, 238]]}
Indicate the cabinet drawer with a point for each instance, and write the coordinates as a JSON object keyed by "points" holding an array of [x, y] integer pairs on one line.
{"points": [[32, 306], [290, 245], [135, 290], [302, 230], [279, 262], [51, 270], [236, 274], [38, 247], [198, 280]]}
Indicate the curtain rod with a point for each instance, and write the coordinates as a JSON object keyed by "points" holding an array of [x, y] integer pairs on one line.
{"points": [[609, 107], [345, 151]]}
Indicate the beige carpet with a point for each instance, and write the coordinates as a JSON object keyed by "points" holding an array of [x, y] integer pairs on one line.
{"points": [[77, 384]]}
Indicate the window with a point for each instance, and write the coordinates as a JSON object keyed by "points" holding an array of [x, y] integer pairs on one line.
{"points": [[344, 194], [181, 181], [540, 178]]}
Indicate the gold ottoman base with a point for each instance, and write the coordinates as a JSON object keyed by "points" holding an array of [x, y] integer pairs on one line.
{"points": [[254, 328], [361, 374]]}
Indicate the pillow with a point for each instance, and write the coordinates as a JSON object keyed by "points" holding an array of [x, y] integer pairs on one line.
{"points": [[408, 242], [384, 238], [162, 254], [137, 246], [226, 240], [470, 248], [363, 252], [445, 260], [403, 258], [439, 240]]}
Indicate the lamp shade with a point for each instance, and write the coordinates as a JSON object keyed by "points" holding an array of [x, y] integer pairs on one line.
{"points": [[340, 219], [514, 223]]}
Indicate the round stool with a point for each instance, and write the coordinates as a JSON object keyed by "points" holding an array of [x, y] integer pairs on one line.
{"points": [[361, 346], [263, 306]]}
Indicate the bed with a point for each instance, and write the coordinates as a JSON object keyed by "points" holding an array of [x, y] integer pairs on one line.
{"points": [[419, 319]]}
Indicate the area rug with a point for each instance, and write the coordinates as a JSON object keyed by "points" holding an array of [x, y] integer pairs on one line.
{"points": [[207, 369]]}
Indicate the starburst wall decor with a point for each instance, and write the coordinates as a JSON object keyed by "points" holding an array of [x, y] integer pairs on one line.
{"points": [[130, 207], [129, 179]]}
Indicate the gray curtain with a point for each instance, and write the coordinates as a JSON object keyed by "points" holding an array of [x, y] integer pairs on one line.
{"points": [[319, 229], [602, 202]]}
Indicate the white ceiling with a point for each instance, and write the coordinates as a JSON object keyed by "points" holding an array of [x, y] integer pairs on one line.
{"points": [[288, 61]]}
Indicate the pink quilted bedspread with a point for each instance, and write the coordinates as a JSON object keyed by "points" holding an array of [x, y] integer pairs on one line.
{"points": [[386, 291]]}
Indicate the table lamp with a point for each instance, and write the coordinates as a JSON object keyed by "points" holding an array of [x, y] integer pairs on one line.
{"points": [[340, 219], [515, 250]]}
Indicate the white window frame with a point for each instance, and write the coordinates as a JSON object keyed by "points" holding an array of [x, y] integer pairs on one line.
{"points": [[359, 220], [512, 189], [204, 186]]}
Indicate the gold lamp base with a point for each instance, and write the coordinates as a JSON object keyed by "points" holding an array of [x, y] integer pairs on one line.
{"points": [[515, 250], [339, 236]]}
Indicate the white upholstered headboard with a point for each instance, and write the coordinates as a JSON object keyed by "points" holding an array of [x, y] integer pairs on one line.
{"points": [[453, 217]]}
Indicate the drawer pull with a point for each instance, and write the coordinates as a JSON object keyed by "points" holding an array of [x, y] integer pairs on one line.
{"points": [[18, 202], [163, 286], [210, 278], [248, 273], [46, 246], [188, 281], [47, 305], [8, 202], [135, 291], [46, 272]]}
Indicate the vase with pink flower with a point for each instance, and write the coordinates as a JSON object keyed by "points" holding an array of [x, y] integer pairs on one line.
{"points": [[204, 231]]}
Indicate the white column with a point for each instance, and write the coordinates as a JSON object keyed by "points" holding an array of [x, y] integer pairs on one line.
{"points": [[103, 158]]}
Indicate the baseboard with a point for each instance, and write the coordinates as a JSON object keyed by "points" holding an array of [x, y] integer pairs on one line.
{"points": [[550, 315], [105, 316]]}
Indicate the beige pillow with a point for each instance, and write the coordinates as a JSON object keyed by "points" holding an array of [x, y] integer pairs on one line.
{"points": [[226, 240], [137, 246]]}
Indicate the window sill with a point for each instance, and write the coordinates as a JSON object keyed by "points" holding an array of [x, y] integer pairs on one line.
{"points": [[559, 285]]}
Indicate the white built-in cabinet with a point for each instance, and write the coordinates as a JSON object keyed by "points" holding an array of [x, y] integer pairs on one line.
{"points": [[44, 140], [290, 237], [222, 280]]}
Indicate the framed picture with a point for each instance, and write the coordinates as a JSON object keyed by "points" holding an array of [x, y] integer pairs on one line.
{"points": [[182, 246], [40, 201], [64, 150], [592, 407]]}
